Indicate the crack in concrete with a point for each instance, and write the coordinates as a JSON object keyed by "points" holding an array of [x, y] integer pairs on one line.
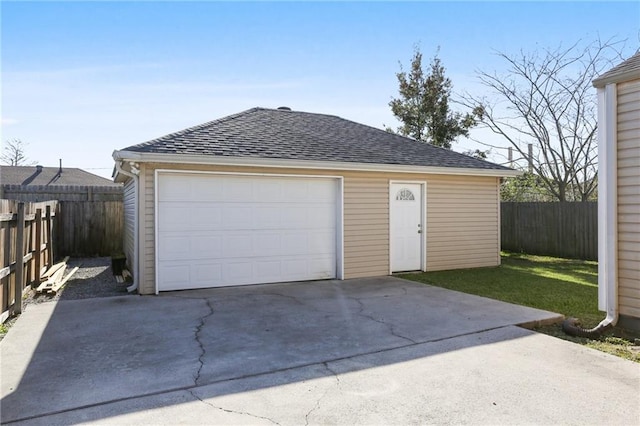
{"points": [[203, 351], [317, 406], [226, 410], [301, 303], [286, 296], [191, 388], [326, 365], [379, 321]]}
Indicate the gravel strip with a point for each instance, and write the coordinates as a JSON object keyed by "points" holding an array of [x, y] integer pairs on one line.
{"points": [[93, 279]]}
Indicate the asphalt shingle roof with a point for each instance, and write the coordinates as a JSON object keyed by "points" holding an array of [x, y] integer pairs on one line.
{"points": [[627, 70], [281, 134], [30, 175]]}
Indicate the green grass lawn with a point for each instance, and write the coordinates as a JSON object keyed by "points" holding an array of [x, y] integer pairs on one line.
{"points": [[565, 286]]}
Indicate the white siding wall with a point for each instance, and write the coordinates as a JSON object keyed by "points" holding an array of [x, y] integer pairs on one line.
{"points": [[129, 222]]}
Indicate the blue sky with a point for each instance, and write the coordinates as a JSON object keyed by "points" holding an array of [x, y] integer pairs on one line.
{"points": [[82, 79]]}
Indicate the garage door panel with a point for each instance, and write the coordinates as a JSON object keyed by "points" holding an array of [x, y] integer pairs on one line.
{"points": [[321, 193], [323, 266], [241, 244], [294, 191], [172, 217], [294, 244], [220, 273], [237, 246], [206, 273], [236, 217], [322, 217], [178, 188], [174, 247], [237, 272], [216, 230], [269, 271], [294, 215], [267, 191], [174, 275], [200, 216], [237, 189], [206, 246], [320, 242], [267, 217], [203, 216], [207, 190], [267, 243]]}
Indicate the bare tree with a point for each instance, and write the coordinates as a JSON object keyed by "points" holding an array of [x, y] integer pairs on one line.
{"points": [[546, 100], [13, 153]]}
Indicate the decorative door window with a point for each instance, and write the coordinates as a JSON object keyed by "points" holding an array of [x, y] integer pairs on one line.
{"points": [[405, 195]]}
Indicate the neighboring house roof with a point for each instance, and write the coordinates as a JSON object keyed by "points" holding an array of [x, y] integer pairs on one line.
{"points": [[38, 175], [626, 71], [261, 133]]}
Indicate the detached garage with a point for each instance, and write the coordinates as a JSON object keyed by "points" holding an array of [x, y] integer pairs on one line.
{"points": [[274, 195]]}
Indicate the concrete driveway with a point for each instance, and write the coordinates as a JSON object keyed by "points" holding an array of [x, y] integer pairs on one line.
{"points": [[364, 351]]}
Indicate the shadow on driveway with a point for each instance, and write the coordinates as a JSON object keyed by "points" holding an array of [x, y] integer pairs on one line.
{"points": [[119, 355]]}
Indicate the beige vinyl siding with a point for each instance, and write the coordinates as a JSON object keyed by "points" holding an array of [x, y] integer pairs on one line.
{"points": [[628, 127], [366, 226], [463, 223], [147, 230], [128, 204], [462, 218]]}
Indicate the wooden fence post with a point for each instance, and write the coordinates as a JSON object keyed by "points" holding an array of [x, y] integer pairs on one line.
{"points": [[17, 307], [38, 251], [48, 231], [6, 286]]}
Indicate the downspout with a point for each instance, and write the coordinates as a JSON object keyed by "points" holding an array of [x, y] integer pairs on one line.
{"points": [[607, 217], [133, 175]]}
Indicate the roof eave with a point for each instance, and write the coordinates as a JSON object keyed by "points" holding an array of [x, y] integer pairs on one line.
{"points": [[146, 157], [620, 77]]}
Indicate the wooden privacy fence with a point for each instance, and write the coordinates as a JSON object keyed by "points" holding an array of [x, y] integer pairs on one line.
{"points": [[555, 229], [89, 228], [26, 249], [35, 193]]}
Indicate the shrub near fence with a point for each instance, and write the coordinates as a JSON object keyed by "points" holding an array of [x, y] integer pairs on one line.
{"points": [[555, 229]]}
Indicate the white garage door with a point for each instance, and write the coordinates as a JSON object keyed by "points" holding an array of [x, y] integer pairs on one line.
{"points": [[223, 230]]}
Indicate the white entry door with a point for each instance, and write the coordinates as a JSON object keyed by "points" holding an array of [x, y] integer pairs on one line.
{"points": [[406, 227], [224, 230]]}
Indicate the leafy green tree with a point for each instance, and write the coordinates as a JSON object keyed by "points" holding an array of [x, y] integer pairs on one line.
{"points": [[423, 105], [528, 187], [477, 153]]}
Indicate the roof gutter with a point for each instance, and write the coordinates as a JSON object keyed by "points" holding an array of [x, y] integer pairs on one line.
{"points": [[133, 175], [603, 81], [607, 217], [306, 164]]}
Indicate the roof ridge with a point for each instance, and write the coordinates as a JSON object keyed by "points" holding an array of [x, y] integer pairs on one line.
{"points": [[294, 111]]}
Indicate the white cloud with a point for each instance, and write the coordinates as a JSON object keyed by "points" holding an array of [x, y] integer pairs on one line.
{"points": [[6, 121]]}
